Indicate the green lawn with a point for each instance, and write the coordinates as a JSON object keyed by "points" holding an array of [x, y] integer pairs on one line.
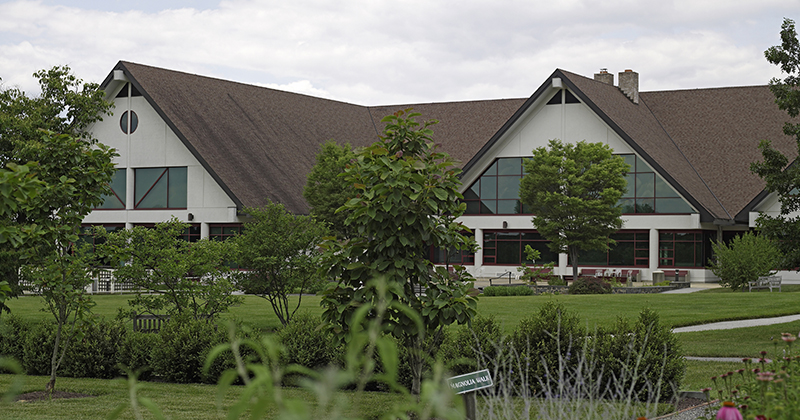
{"points": [[178, 401], [674, 309]]}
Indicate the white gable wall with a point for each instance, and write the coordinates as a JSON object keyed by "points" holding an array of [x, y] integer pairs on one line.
{"points": [[154, 144], [569, 123]]}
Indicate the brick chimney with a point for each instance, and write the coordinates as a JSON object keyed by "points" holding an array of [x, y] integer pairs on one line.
{"points": [[604, 77], [629, 84]]}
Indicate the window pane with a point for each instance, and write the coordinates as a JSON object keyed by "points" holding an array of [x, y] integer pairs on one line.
{"points": [[630, 160], [622, 236], [666, 236], [473, 207], [488, 188], [116, 200], [663, 189], [646, 205], [628, 206], [507, 207], [215, 230], [508, 252], [642, 166], [148, 195], [508, 187], [621, 254], [684, 254], [631, 188], [492, 169], [507, 236], [488, 207], [645, 185], [592, 258], [509, 166], [177, 188], [643, 236], [472, 192], [672, 205]]}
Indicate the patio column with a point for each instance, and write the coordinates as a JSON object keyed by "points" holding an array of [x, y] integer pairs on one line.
{"points": [[653, 252], [479, 253]]}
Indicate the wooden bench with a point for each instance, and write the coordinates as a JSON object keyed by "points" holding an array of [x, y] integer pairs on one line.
{"points": [[149, 323], [766, 282]]}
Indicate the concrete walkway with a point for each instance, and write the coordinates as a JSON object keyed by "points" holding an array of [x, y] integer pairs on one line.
{"points": [[743, 323]]}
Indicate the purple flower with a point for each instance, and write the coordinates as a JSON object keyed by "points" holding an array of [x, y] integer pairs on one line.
{"points": [[728, 411]]}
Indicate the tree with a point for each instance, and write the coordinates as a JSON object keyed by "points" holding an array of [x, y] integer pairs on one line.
{"points": [[280, 254], [171, 274], [66, 105], [574, 192], [327, 190], [746, 258], [77, 174], [784, 180], [407, 199]]}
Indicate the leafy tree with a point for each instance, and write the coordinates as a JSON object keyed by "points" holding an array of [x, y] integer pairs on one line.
{"points": [[407, 199], [171, 274], [785, 227], [77, 175], [327, 190], [574, 189], [746, 258], [66, 105], [279, 252]]}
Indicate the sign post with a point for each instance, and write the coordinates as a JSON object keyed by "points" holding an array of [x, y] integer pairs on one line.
{"points": [[467, 384]]}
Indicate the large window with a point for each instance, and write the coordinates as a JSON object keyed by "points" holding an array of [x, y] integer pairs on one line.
{"points": [[648, 192], [632, 249], [190, 234], [224, 232], [160, 188], [116, 200], [684, 249], [497, 190], [454, 256], [508, 247]]}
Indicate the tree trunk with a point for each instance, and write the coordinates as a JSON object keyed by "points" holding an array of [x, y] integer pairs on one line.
{"points": [[416, 362], [573, 255], [54, 359]]}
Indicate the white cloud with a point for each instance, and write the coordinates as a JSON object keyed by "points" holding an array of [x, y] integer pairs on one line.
{"points": [[372, 52]]}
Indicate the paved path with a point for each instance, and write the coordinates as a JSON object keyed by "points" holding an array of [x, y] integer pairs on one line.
{"points": [[728, 325]]}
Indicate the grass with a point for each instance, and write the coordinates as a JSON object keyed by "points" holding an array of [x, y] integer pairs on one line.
{"points": [[178, 401], [674, 309], [698, 374], [255, 311], [738, 342]]}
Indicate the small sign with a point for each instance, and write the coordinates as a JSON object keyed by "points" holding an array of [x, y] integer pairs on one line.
{"points": [[472, 381]]}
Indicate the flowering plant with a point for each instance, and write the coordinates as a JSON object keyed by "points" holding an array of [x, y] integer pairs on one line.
{"points": [[768, 389]]}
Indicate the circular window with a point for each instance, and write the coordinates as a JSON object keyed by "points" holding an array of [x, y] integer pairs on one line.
{"points": [[123, 122]]}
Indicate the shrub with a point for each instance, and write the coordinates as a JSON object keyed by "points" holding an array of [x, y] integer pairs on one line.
{"points": [[475, 347], [93, 351], [136, 352], [645, 356], [746, 258], [589, 286], [545, 343], [306, 344], [556, 281], [37, 348], [13, 330], [185, 344], [507, 291]]}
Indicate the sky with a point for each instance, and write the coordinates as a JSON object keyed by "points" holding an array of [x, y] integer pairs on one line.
{"points": [[374, 52]]}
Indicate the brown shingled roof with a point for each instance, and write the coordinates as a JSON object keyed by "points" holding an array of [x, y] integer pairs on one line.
{"points": [[701, 140], [260, 143]]}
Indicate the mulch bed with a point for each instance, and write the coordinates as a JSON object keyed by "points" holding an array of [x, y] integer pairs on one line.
{"points": [[43, 396]]}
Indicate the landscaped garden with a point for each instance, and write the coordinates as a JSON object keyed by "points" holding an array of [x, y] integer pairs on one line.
{"points": [[594, 311]]}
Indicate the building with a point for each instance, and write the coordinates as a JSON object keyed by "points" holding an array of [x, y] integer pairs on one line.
{"points": [[202, 149]]}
